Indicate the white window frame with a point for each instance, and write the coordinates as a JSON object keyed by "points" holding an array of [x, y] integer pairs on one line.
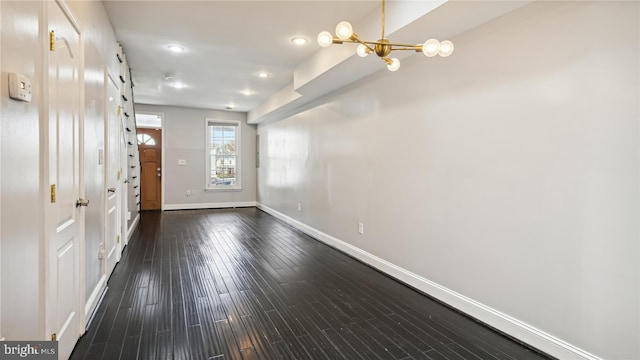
{"points": [[207, 153]]}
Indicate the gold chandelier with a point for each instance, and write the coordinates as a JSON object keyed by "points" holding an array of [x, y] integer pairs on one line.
{"points": [[382, 47]]}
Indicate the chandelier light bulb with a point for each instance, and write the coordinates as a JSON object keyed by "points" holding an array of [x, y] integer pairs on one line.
{"points": [[362, 50], [344, 30], [394, 65], [431, 47], [325, 39], [446, 48]]}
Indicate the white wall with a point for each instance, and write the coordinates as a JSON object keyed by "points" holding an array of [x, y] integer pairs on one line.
{"points": [[507, 173], [20, 197], [184, 139]]}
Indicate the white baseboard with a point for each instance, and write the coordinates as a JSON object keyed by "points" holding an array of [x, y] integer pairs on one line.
{"points": [[132, 228], [492, 317], [94, 298], [209, 205]]}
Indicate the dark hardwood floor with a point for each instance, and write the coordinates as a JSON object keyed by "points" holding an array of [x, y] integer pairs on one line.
{"points": [[239, 284]]}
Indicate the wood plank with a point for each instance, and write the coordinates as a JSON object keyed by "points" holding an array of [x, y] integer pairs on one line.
{"points": [[240, 284]]}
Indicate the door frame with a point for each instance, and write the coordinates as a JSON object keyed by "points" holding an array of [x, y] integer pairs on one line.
{"points": [[109, 81], [162, 160], [91, 303]]}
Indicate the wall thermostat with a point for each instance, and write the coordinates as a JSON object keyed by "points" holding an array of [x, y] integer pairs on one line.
{"points": [[19, 87]]}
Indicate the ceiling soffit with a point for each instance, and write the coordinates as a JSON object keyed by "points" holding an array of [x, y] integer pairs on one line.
{"points": [[332, 68]]}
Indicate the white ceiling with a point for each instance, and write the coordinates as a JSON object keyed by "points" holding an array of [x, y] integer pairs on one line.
{"points": [[227, 43]]}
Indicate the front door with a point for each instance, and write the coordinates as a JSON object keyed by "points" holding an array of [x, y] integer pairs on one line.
{"points": [[150, 145], [113, 175], [65, 219]]}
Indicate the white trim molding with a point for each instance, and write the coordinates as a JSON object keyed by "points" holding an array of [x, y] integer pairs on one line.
{"points": [[94, 299], [210, 205], [511, 326], [90, 314], [132, 228]]}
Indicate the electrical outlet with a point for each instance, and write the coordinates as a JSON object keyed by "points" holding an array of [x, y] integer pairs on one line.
{"points": [[361, 228], [299, 206], [188, 192]]}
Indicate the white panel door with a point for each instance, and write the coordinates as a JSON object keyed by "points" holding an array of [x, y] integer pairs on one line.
{"points": [[65, 233], [113, 175]]}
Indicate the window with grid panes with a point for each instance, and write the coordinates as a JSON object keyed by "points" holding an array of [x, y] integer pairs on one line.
{"points": [[222, 154]]}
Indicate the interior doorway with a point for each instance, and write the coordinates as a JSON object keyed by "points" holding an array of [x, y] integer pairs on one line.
{"points": [[113, 135], [150, 150]]}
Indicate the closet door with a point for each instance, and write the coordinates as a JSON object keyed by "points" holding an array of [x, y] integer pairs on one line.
{"points": [[65, 210]]}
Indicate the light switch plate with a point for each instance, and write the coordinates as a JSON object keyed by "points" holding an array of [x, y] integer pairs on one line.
{"points": [[19, 87], [182, 162]]}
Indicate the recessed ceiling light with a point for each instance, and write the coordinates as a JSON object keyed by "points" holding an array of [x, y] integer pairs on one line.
{"points": [[246, 92], [178, 85], [263, 74], [175, 48], [299, 40]]}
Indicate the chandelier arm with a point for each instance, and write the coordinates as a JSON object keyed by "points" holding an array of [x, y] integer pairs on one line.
{"points": [[417, 48], [369, 42], [413, 46], [406, 45], [365, 43], [356, 40]]}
